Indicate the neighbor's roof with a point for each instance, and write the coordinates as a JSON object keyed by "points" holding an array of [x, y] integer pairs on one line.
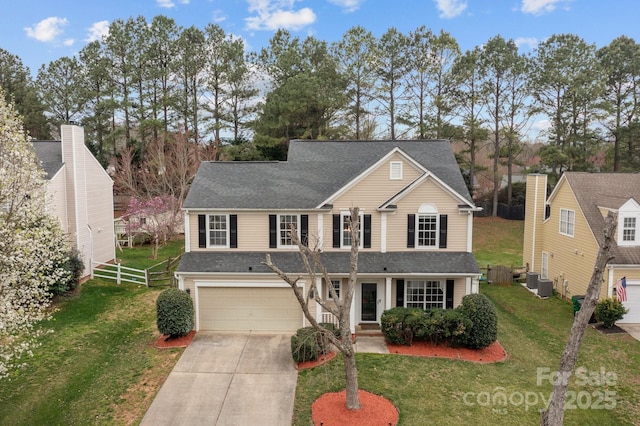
{"points": [[611, 191], [313, 172], [50, 153], [396, 263]]}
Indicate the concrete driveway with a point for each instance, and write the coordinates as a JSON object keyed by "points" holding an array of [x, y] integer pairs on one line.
{"points": [[228, 379], [631, 329]]}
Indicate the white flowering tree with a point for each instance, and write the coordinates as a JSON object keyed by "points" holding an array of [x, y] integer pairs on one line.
{"points": [[33, 247]]}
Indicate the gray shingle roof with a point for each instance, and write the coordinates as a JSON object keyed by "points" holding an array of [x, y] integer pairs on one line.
{"points": [[609, 190], [313, 172], [397, 263], [50, 153]]}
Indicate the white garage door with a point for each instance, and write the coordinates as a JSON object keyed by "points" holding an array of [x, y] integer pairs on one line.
{"points": [[248, 308], [632, 304]]}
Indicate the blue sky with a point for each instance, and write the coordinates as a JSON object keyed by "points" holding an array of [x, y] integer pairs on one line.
{"points": [[41, 31]]}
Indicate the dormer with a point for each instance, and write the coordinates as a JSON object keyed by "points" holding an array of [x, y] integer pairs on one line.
{"points": [[629, 223]]}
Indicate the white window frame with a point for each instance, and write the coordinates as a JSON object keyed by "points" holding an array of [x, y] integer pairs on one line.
{"points": [[282, 232], [544, 270], [395, 170], [628, 231], [567, 222], [226, 231], [343, 224], [427, 299], [430, 211], [337, 285]]}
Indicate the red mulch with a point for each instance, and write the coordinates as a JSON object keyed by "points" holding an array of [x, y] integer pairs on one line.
{"points": [[179, 342], [331, 409], [321, 360], [492, 353]]}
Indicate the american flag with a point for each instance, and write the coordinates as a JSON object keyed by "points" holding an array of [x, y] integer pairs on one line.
{"points": [[621, 289]]}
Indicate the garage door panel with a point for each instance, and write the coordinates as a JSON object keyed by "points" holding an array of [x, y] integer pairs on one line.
{"points": [[243, 309], [632, 304]]}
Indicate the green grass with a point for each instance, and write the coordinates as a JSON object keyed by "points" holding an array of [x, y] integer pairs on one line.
{"points": [[497, 241], [533, 331], [97, 366]]}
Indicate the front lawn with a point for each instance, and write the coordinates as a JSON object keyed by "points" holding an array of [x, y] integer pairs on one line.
{"points": [[98, 366], [449, 392]]}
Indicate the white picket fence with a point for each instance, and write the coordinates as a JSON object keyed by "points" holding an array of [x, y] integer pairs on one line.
{"points": [[119, 273]]}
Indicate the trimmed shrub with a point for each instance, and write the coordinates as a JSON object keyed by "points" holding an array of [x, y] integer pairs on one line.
{"points": [[440, 325], [174, 309], [399, 325], [304, 345], [484, 321], [610, 310], [74, 266], [332, 328]]}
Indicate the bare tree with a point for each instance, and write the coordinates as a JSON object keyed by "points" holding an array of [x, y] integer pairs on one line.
{"points": [[554, 415], [341, 306]]}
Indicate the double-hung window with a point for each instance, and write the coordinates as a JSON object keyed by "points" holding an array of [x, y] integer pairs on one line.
{"points": [[346, 236], [567, 222], [427, 230], [628, 230], [425, 294], [287, 224], [218, 230], [336, 284]]}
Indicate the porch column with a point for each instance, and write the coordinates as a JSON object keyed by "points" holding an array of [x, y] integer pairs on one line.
{"points": [[319, 294], [387, 293]]}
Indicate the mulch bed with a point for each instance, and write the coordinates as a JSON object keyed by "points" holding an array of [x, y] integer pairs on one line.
{"points": [[492, 353], [321, 360], [179, 342], [331, 410], [613, 330]]}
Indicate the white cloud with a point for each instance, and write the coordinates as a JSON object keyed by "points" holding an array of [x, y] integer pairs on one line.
{"points": [[68, 42], [167, 4], [47, 29], [218, 16], [529, 42], [540, 7], [274, 14], [541, 125], [451, 8], [97, 31], [348, 5]]}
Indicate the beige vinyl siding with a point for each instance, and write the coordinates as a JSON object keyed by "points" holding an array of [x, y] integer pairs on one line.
{"points": [[253, 229], [570, 258], [376, 188], [428, 192]]}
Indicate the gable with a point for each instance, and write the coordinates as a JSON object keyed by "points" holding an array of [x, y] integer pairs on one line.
{"points": [[378, 182]]}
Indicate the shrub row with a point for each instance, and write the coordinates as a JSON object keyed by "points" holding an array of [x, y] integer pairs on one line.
{"points": [[473, 324], [308, 343]]}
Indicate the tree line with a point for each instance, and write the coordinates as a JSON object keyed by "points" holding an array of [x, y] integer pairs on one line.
{"points": [[147, 82]]}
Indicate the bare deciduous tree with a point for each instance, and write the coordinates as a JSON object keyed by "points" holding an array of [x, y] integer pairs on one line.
{"points": [[554, 415], [340, 306]]}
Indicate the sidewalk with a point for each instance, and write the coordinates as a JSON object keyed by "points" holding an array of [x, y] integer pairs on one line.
{"points": [[371, 344]]}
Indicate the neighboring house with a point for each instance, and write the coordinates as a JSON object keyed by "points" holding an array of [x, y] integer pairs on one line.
{"points": [[563, 233], [416, 233], [80, 194]]}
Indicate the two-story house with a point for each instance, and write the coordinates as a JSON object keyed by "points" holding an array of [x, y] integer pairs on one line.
{"points": [[416, 232], [79, 194], [564, 231]]}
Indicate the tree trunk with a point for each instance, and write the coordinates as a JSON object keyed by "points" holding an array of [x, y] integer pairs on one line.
{"points": [[351, 377], [554, 415]]}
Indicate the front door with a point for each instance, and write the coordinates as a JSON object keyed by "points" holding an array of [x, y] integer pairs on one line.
{"points": [[369, 302]]}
